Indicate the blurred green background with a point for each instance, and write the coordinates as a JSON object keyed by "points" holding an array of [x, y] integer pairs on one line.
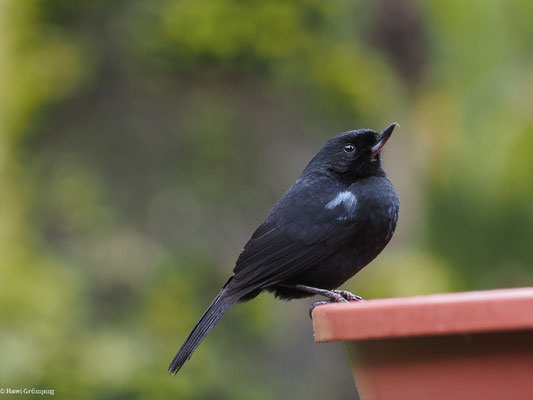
{"points": [[141, 143]]}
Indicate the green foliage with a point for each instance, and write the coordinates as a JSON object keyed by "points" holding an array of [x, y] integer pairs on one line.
{"points": [[141, 143]]}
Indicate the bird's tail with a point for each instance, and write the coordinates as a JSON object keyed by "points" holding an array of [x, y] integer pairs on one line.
{"points": [[212, 315]]}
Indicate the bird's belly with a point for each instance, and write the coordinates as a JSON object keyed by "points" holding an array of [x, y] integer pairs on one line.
{"points": [[350, 259]]}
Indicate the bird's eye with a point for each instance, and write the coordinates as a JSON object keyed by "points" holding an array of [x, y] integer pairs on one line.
{"points": [[349, 148]]}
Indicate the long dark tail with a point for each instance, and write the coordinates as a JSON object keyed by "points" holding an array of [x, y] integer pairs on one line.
{"points": [[216, 310]]}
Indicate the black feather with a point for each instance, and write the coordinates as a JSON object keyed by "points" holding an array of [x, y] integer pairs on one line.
{"points": [[212, 315]]}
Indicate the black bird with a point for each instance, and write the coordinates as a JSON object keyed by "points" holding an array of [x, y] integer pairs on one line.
{"points": [[336, 218]]}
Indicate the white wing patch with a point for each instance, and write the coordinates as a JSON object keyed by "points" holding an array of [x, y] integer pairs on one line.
{"points": [[346, 198]]}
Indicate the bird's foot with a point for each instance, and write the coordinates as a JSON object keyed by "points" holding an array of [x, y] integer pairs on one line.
{"points": [[349, 295], [339, 296], [335, 296]]}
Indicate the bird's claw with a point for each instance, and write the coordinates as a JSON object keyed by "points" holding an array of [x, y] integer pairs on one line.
{"points": [[318, 303], [348, 295]]}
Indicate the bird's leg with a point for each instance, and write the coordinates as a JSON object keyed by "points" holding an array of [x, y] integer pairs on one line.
{"points": [[330, 294], [338, 296]]}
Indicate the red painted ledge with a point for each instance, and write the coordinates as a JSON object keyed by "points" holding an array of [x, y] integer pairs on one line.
{"points": [[461, 346], [452, 313]]}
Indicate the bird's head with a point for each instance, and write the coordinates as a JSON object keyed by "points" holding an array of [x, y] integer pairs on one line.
{"points": [[352, 155]]}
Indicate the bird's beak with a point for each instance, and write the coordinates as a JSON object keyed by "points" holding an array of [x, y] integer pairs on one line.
{"points": [[382, 139]]}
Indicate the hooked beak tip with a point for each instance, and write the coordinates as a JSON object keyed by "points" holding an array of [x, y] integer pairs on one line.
{"points": [[383, 137]]}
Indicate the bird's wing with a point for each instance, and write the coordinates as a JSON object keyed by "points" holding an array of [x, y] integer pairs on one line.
{"points": [[291, 240]]}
